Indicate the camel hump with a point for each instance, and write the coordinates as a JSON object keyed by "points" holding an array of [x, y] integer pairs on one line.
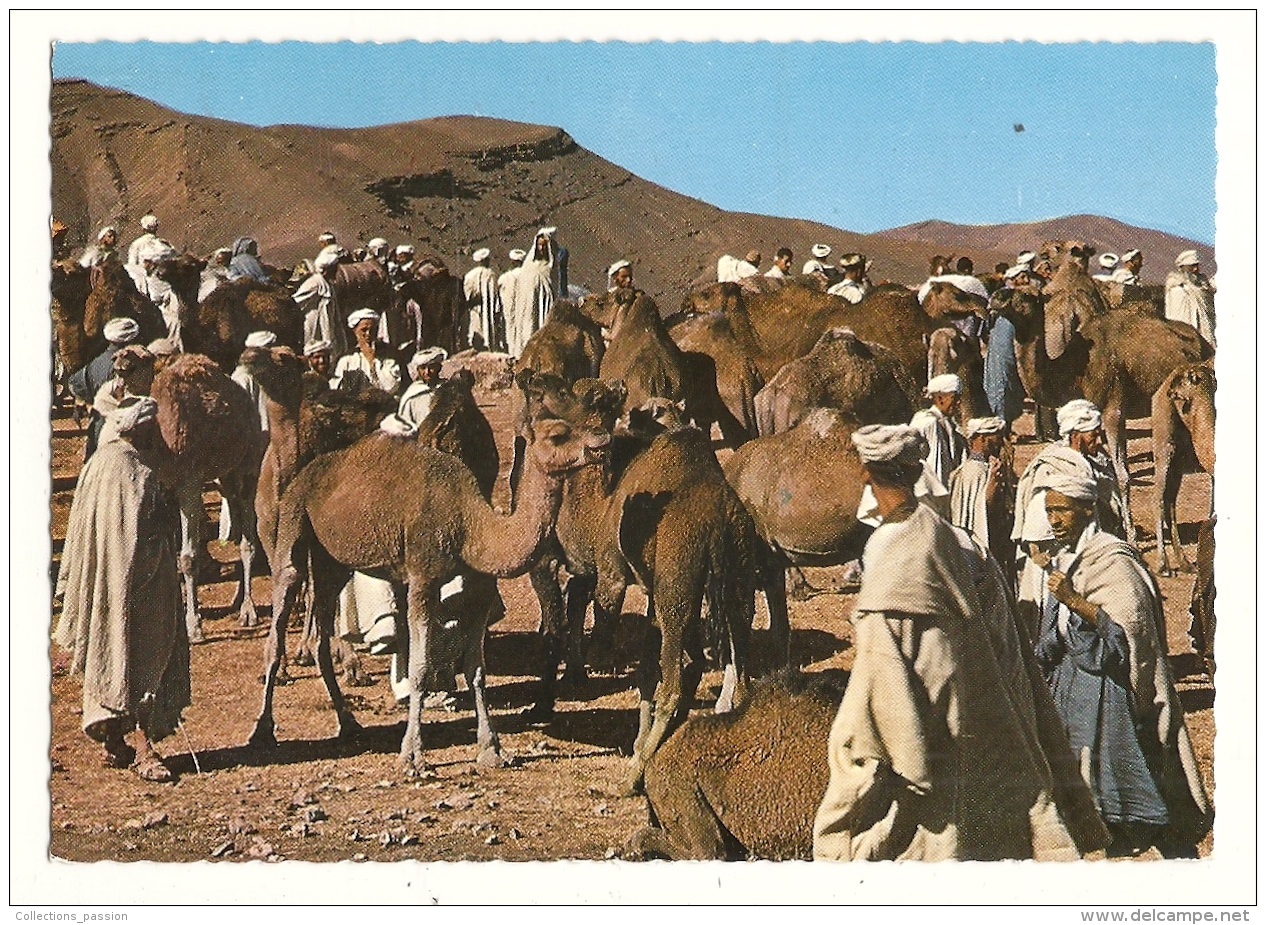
{"points": [[201, 410]]}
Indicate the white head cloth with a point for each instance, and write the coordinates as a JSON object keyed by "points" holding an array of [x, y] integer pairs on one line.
{"points": [[361, 314], [376, 244], [428, 357], [482, 254], [1108, 261], [403, 249], [1076, 484], [617, 267], [1078, 415], [1026, 258], [133, 412], [981, 426], [121, 330], [261, 339], [318, 346], [943, 384], [897, 444], [163, 347], [108, 229], [149, 223], [1013, 272], [821, 251], [326, 237], [850, 260], [518, 254], [1187, 259]]}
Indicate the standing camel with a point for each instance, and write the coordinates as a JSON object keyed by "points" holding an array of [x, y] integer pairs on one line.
{"points": [[209, 423], [1183, 405], [424, 522]]}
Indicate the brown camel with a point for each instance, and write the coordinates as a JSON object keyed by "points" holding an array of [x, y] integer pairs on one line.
{"points": [[767, 330], [1117, 360], [423, 521], [738, 377], [428, 309], [745, 784], [113, 295], [568, 345], [1182, 425], [642, 355], [70, 287], [184, 275], [362, 284], [841, 371], [208, 422], [802, 488], [952, 351], [236, 308], [674, 526], [946, 303]]}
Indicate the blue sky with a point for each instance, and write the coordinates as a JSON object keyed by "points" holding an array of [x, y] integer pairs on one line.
{"points": [[860, 136]]}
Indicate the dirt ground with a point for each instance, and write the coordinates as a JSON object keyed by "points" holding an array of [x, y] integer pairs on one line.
{"points": [[313, 799]]}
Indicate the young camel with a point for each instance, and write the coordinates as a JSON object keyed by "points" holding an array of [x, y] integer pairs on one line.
{"points": [[425, 522]]}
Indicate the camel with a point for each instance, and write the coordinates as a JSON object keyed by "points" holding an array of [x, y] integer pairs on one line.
{"points": [[802, 488], [738, 377], [1204, 592], [568, 345], [113, 295], [642, 355], [952, 351], [763, 331], [674, 526], [69, 289], [184, 275], [427, 308], [841, 371], [743, 784], [423, 521], [233, 310], [362, 284], [1117, 360], [1183, 405], [946, 303], [208, 422]]}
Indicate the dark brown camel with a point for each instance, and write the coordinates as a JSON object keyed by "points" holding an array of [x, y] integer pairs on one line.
{"points": [[745, 784], [841, 371], [1117, 360], [1182, 426], [70, 287], [113, 295], [436, 320], [802, 488], [184, 275], [236, 308], [424, 522], [674, 526], [208, 422], [568, 345]]}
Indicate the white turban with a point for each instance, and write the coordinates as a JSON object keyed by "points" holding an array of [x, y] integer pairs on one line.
{"points": [[326, 237], [1187, 259], [261, 339], [1080, 485], [550, 231], [1026, 258], [327, 258], [224, 252], [821, 251], [617, 267], [1108, 261], [428, 357], [362, 314], [318, 346], [149, 223], [121, 330], [1078, 415], [133, 412], [1013, 272], [482, 254], [989, 425], [851, 260], [943, 384], [108, 229], [518, 254], [893, 444], [402, 249], [1129, 255], [376, 244]]}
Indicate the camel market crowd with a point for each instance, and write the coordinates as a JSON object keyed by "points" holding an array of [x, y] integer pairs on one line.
{"points": [[1011, 694]]}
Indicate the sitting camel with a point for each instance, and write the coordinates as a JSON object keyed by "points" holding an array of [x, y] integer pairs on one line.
{"points": [[1182, 424], [425, 521], [209, 423]]}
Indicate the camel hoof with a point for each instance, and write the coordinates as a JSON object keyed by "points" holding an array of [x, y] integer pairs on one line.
{"points": [[304, 659], [635, 783], [248, 620], [348, 728], [491, 757], [264, 736], [415, 768]]}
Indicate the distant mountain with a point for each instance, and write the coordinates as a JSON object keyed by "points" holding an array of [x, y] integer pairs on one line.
{"points": [[449, 185]]}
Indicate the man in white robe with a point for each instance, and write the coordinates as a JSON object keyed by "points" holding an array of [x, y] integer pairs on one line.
{"points": [[782, 264], [364, 362], [854, 286], [946, 446], [944, 746], [982, 491], [318, 301], [230, 532], [1128, 268], [161, 292], [216, 272], [149, 237], [122, 619], [482, 300], [820, 252], [1189, 296], [105, 248], [534, 293]]}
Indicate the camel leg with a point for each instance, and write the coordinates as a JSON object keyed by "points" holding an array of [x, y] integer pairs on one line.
{"points": [[774, 579], [647, 682], [242, 511], [544, 576], [189, 496], [412, 754], [489, 745], [328, 577], [668, 697], [305, 648], [734, 685], [286, 581], [1114, 430], [578, 594]]}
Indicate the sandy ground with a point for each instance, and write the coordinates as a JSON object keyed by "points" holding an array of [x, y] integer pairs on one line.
{"points": [[313, 799]]}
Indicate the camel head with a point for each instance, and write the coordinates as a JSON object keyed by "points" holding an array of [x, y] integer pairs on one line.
{"points": [[1191, 390], [948, 347], [279, 372], [655, 416], [566, 427], [716, 297], [1023, 308], [945, 300], [184, 274]]}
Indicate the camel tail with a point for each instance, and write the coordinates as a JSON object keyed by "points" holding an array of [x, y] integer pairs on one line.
{"points": [[730, 594]]}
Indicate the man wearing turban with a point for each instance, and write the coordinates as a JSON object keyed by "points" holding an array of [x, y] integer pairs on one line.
{"points": [[946, 446], [1101, 643], [982, 491], [84, 383], [534, 292], [364, 364], [122, 619], [1189, 295], [482, 301], [946, 745], [318, 301]]}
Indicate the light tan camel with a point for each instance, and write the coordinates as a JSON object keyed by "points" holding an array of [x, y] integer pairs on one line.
{"points": [[1182, 424], [424, 521]]}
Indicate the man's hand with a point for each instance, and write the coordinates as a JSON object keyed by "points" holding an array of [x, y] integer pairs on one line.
{"points": [[1062, 590]]}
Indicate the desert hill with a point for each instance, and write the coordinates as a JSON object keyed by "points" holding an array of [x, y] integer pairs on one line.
{"points": [[451, 185]]}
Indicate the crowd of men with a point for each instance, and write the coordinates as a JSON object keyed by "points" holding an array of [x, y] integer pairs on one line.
{"points": [[973, 581]]}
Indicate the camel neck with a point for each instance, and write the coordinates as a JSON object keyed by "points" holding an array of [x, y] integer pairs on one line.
{"points": [[505, 545]]}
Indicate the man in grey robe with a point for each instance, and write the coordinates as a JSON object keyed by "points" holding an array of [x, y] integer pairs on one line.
{"points": [[982, 491], [122, 619]]}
